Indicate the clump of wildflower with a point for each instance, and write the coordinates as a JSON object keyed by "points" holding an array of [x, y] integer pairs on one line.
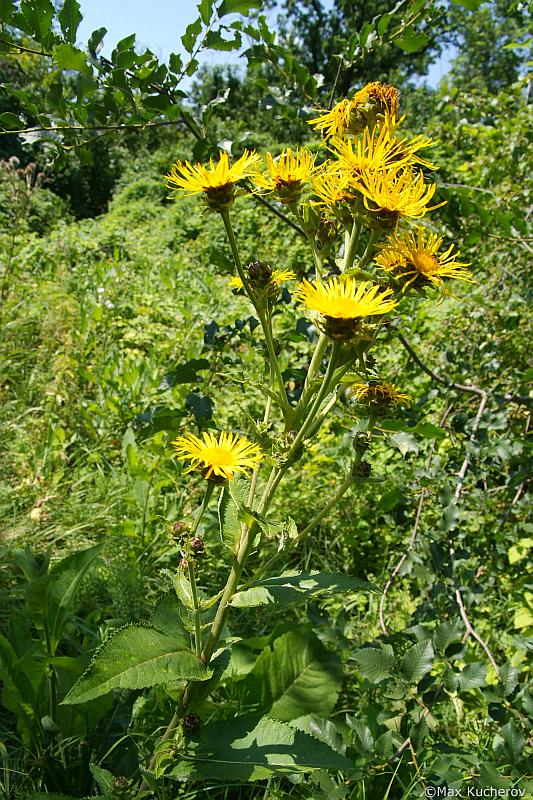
{"points": [[216, 182], [414, 259], [218, 458]]}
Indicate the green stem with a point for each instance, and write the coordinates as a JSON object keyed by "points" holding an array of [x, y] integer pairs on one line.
{"points": [[351, 246], [192, 575], [367, 255], [264, 318]]}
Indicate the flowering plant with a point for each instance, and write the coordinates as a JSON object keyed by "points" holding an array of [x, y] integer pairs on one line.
{"points": [[355, 210]]}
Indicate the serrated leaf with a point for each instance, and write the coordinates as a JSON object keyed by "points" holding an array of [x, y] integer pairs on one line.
{"points": [[7, 8], [69, 57], [375, 663], [404, 442], [237, 6], [514, 741], [136, 657], [69, 18], [232, 498], [253, 748], [200, 405], [508, 678], [166, 618], [473, 675], [10, 121], [192, 32], [296, 676], [411, 42], [292, 586], [417, 661], [471, 5], [363, 740], [205, 9], [215, 41], [429, 431], [95, 41], [448, 632]]}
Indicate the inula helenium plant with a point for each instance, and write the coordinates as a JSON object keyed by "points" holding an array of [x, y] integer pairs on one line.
{"points": [[359, 200]]}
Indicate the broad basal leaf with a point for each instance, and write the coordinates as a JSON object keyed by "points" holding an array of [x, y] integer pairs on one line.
{"points": [[136, 657], [253, 748], [294, 677], [297, 585]]}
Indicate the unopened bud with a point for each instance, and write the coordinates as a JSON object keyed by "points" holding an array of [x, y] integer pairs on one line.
{"points": [[260, 273], [120, 786], [184, 564], [180, 529], [191, 724], [197, 545]]}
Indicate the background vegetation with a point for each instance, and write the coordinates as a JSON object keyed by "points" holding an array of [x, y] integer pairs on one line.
{"points": [[118, 328]]}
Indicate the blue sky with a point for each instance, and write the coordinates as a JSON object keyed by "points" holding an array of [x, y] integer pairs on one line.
{"points": [[159, 25]]}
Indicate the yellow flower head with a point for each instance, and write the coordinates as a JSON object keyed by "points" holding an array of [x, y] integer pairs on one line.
{"points": [[373, 101], [395, 193], [330, 183], [217, 182], [287, 174], [278, 277], [345, 298], [218, 458], [378, 393], [414, 258]]}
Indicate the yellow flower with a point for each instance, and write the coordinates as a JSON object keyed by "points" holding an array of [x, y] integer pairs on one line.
{"points": [[376, 392], [287, 174], [373, 101], [218, 458], [378, 149], [344, 298], [414, 255], [329, 183], [217, 182], [395, 193], [278, 277]]}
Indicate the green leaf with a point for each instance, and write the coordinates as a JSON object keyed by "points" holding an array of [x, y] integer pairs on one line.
{"points": [[232, 499], [448, 632], [514, 741], [192, 32], [375, 663], [404, 442], [10, 121], [215, 41], [294, 677], [410, 42], [292, 586], [363, 740], [104, 779], [65, 579], [69, 19], [471, 5], [237, 6], [136, 657], [36, 18], [167, 619], [95, 41], [252, 748], [7, 7], [508, 678], [187, 372], [205, 9], [417, 661], [200, 405], [473, 675], [429, 431], [69, 57]]}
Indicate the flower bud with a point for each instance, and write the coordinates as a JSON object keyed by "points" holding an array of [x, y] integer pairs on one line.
{"points": [[197, 545], [191, 724], [120, 786], [259, 273]]}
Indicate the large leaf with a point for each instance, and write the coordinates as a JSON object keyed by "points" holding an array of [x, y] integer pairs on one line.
{"points": [[237, 6], [135, 657], [233, 499], [294, 677], [375, 663], [417, 661], [252, 748], [297, 585], [64, 581], [167, 619], [69, 18]]}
